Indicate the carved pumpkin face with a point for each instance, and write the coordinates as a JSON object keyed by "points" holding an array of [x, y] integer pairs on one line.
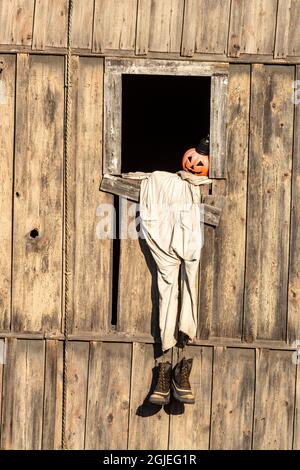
{"points": [[195, 163]]}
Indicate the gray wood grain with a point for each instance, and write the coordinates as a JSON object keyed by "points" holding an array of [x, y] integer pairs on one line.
{"points": [[269, 199], [7, 98], [108, 396]]}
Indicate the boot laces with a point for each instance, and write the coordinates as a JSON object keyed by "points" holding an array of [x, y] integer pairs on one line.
{"points": [[161, 377], [185, 375]]}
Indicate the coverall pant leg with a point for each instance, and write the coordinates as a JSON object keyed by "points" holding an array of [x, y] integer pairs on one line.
{"points": [[168, 268], [188, 312], [175, 241]]}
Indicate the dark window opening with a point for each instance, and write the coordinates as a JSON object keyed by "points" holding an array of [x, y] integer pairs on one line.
{"points": [[162, 117]]}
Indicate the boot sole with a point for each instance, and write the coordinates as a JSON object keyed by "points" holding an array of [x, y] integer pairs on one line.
{"points": [[188, 401], [159, 402]]}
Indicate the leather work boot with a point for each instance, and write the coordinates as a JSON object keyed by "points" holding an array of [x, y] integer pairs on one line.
{"points": [[180, 381], [161, 394]]}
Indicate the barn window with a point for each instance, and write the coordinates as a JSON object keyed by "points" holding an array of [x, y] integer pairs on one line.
{"points": [[153, 111]]}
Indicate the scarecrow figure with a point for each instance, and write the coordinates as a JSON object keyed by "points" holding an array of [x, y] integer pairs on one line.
{"points": [[171, 223]]}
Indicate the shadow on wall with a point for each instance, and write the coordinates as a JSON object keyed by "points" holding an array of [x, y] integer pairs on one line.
{"points": [[154, 295]]}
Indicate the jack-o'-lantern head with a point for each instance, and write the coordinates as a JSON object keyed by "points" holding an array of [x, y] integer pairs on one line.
{"points": [[196, 160]]}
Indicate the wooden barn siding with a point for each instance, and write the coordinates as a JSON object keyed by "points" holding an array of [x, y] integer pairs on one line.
{"points": [[294, 264], [38, 194], [269, 202], [7, 110], [241, 392], [90, 312], [238, 29], [223, 262], [245, 398]]}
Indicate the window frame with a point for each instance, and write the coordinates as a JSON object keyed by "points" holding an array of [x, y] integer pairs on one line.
{"points": [[114, 68]]}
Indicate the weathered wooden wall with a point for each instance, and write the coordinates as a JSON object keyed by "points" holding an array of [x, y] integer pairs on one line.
{"points": [[246, 383], [234, 29]]}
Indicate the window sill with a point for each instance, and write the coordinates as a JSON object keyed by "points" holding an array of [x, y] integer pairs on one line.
{"points": [[129, 187]]}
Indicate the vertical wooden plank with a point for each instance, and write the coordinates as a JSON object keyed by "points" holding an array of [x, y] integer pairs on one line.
{"points": [[212, 30], [91, 312], [7, 104], [8, 398], [235, 28], [252, 27], [205, 27], [2, 361], [218, 127], [108, 396], [206, 284], [16, 22], [23, 395], [296, 442], [205, 279], [112, 123], [114, 25], [229, 245], [294, 262], [293, 28], [274, 400], [82, 24], [50, 24], [166, 25], [143, 27], [137, 305], [38, 194], [269, 196], [77, 385], [283, 28], [149, 424], [52, 422], [233, 397], [189, 29], [190, 429]]}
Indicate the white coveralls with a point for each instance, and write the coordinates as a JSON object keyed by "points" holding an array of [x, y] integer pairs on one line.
{"points": [[171, 223]]}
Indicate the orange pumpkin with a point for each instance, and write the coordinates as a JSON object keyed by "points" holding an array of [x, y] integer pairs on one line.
{"points": [[195, 163]]}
